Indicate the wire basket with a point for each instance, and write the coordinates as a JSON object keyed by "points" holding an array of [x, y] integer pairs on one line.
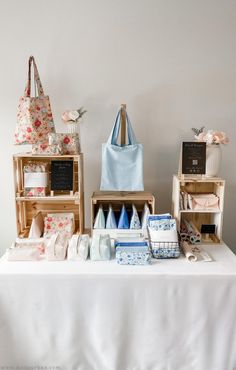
{"points": [[165, 249]]}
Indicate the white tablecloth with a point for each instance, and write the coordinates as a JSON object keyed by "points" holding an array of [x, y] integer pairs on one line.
{"points": [[173, 315]]}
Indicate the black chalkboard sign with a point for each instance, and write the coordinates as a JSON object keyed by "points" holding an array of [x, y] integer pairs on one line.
{"points": [[62, 175], [194, 158], [208, 229]]}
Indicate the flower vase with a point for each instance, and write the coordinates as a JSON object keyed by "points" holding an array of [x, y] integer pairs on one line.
{"points": [[213, 160], [72, 127]]}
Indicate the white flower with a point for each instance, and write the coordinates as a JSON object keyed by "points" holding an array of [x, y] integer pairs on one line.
{"points": [[74, 115], [209, 138]]}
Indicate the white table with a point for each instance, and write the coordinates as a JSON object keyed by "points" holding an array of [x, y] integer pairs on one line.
{"points": [[173, 315]]}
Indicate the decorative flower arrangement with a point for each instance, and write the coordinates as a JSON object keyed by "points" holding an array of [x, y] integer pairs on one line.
{"points": [[210, 136], [73, 116]]}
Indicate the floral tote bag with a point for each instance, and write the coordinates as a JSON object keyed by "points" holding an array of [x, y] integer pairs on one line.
{"points": [[34, 117]]}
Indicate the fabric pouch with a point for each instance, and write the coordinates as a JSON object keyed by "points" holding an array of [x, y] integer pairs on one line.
{"points": [[69, 143], [62, 223], [100, 249], [30, 243], [204, 201], [99, 222], [111, 220], [46, 149], [56, 248], [123, 220], [78, 248], [23, 254]]}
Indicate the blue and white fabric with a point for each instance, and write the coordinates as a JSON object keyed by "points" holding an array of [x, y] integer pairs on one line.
{"points": [[145, 215], [99, 222], [111, 219], [132, 251], [135, 221], [163, 236], [124, 219], [161, 222]]}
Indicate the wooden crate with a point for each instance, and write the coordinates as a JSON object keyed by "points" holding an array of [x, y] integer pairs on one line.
{"points": [[199, 217], [61, 201], [117, 199]]}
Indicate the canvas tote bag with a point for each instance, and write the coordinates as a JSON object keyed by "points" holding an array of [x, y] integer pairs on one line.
{"points": [[34, 117], [122, 166]]}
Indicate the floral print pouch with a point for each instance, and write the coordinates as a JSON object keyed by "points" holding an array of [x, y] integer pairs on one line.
{"points": [[46, 149], [69, 143], [34, 117], [59, 223]]}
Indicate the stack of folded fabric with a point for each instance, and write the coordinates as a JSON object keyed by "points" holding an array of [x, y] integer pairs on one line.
{"points": [[35, 179], [163, 236], [132, 251], [123, 221]]}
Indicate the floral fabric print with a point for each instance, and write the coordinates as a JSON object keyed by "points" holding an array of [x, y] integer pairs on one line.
{"points": [[69, 143], [135, 222], [59, 223], [46, 149], [33, 167], [34, 117], [133, 256]]}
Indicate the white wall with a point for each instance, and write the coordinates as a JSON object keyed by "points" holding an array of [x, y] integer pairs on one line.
{"points": [[172, 62]]}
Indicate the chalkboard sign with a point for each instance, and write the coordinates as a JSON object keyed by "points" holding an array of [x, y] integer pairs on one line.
{"points": [[208, 229], [62, 175], [194, 158]]}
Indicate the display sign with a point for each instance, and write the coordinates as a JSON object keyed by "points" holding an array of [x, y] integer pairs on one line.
{"points": [[62, 175], [208, 229], [193, 158]]}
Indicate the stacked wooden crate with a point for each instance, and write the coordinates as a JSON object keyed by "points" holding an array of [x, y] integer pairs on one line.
{"points": [[54, 201]]}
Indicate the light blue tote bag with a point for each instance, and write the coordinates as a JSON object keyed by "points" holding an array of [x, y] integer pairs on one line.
{"points": [[122, 166]]}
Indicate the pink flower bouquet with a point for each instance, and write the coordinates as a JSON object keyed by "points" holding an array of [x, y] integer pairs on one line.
{"points": [[210, 136]]}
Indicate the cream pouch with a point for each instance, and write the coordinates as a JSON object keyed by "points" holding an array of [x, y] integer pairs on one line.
{"points": [[23, 254], [78, 248], [56, 248], [30, 243], [204, 201], [100, 248]]}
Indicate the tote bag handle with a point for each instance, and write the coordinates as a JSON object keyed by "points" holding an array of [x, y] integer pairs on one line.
{"points": [[36, 79], [116, 129]]}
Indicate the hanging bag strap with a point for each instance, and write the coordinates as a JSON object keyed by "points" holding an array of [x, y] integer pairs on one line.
{"points": [[36, 79], [116, 129]]}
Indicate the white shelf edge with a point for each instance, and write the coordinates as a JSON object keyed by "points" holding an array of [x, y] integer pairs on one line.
{"points": [[198, 211]]}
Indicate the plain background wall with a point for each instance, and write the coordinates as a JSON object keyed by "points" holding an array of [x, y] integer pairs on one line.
{"points": [[172, 62]]}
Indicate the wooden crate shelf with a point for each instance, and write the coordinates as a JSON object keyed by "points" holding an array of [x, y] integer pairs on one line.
{"points": [[117, 199], [200, 216], [62, 201]]}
